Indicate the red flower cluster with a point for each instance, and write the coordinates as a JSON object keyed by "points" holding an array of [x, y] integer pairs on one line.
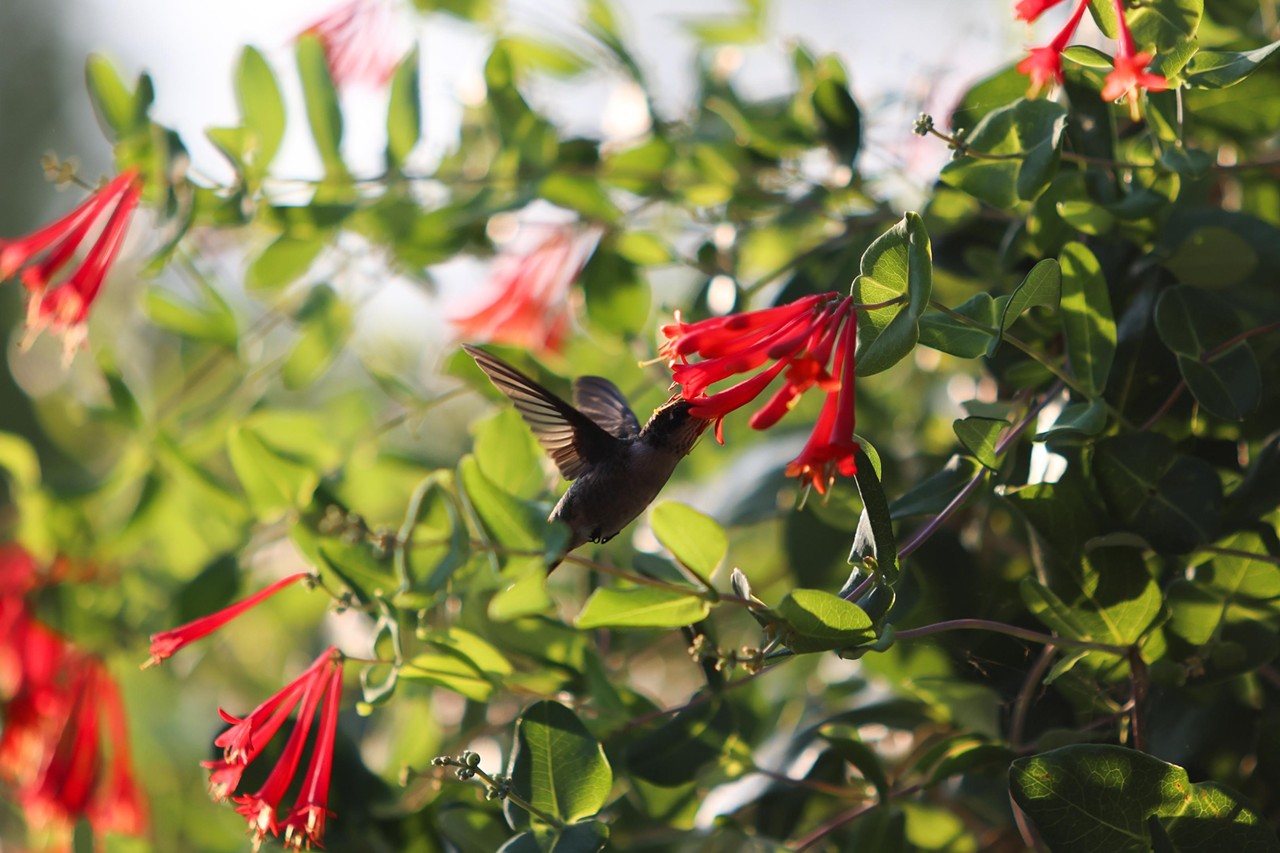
{"points": [[1127, 79], [812, 340], [319, 686], [359, 43], [61, 709], [528, 305], [41, 254]]}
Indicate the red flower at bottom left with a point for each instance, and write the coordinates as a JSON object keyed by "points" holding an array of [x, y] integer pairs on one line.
{"points": [[65, 746]]}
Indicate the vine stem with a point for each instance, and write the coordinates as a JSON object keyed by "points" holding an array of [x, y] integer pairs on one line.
{"points": [[520, 801], [848, 817], [1011, 631], [1002, 444]]}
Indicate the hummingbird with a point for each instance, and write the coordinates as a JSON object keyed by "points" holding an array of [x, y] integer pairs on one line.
{"points": [[616, 467]]}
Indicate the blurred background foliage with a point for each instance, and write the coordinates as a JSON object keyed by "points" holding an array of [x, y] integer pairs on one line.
{"points": [[266, 391]]}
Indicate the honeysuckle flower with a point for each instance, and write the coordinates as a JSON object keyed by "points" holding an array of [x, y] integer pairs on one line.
{"points": [[1044, 64], [1129, 75], [64, 722], [359, 41], [1029, 10], [810, 343], [39, 256], [243, 742], [528, 300], [305, 824], [166, 643]]}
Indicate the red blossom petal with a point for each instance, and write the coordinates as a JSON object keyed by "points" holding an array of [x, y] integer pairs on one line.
{"points": [[528, 303], [14, 254], [1029, 10], [166, 643], [259, 808], [359, 42], [306, 821]]}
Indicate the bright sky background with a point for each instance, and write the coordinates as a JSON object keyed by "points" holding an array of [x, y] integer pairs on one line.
{"points": [[901, 54]]}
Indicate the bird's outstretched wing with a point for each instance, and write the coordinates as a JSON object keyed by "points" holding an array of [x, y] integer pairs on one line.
{"points": [[600, 400], [572, 440]]}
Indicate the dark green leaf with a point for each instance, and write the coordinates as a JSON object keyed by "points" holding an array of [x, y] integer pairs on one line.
{"points": [[1042, 286], [932, 494], [1025, 137], [1088, 798], [955, 337], [1218, 69], [1171, 501]]}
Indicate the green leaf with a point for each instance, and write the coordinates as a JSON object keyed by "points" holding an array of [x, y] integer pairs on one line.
{"points": [[1218, 69], [509, 521], [1157, 27], [641, 607], [509, 454], [1111, 598], [643, 248], [1083, 417], [874, 537], [1228, 599], [557, 766], [215, 324], [817, 621], [435, 539], [1086, 217], [325, 324], [698, 541], [1171, 501], [955, 337], [261, 107], [448, 671], [1213, 256], [617, 296], [979, 436], [1196, 325], [1042, 286], [838, 114], [1087, 798], [404, 111], [121, 110], [283, 262], [899, 263], [1026, 136], [324, 114], [582, 193], [933, 494], [675, 752], [1087, 322], [274, 478]]}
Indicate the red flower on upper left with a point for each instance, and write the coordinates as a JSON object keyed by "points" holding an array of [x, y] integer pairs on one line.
{"points": [[41, 255]]}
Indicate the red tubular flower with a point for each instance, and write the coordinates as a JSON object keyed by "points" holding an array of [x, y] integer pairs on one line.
{"points": [[242, 743], [528, 303], [359, 42], [120, 806], [1044, 64], [41, 254], [1029, 10], [166, 643], [305, 824], [812, 339], [1130, 75]]}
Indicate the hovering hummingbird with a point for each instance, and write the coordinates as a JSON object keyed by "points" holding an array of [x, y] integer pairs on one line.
{"points": [[616, 467]]}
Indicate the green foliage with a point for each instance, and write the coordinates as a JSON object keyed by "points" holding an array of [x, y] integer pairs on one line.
{"points": [[1055, 575]]}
